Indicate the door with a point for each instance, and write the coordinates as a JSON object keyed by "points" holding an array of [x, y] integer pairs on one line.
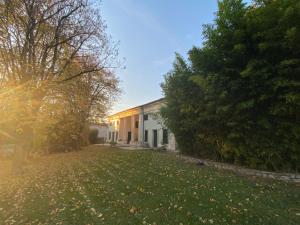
{"points": [[154, 138], [129, 137]]}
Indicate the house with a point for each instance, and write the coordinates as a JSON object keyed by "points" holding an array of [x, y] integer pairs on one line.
{"points": [[141, 126], [102, 131]]}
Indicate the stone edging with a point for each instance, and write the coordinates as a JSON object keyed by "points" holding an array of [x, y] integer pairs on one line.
{"points": [[287, 177]]}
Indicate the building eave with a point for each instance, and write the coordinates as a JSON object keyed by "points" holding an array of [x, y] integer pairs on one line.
{"points": [[133, 110]]}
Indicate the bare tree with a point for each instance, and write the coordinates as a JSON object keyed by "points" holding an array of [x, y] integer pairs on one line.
{"points": [[40, 40]]}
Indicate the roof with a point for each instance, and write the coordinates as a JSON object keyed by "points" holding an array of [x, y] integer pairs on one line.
{"points": [[149, 103], [99, 124], [140, 106]]}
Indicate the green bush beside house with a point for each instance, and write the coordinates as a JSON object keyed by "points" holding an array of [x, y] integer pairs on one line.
{"points": [[237, 98]]}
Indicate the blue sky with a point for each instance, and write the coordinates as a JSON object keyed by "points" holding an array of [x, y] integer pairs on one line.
{"points": [[150, 32]]}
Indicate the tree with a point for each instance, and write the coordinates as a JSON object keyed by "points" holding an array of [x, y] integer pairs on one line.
{"points": [[51, 50], [239, 98], [71, 107], [179, 93]]}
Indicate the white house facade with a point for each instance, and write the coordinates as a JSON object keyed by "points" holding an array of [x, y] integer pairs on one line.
{"points": [[141, 126], [102, 131]]}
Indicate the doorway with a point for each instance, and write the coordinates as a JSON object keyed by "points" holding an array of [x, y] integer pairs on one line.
{"points": [[154, 138], [129, 137]]}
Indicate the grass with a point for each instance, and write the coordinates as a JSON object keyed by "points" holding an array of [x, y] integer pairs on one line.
{"points": [[101, 185]]}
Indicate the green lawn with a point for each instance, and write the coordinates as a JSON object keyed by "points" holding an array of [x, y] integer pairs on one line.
{"points": [[109, 186]]}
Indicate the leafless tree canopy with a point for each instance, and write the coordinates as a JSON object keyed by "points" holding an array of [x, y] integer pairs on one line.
{"points": [[41, 39]]}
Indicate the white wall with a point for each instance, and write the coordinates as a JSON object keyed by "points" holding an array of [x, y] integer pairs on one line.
{"points": [[154, 122], [102, 130], [113, 126]]}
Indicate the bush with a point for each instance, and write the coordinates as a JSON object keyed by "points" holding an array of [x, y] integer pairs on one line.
{"points": [[93, 136], [237, 98]]}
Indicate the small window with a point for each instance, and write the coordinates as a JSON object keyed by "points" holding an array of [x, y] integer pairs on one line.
{"points": [[146, 117], [146, 136], [165, 136], [136, 124]]}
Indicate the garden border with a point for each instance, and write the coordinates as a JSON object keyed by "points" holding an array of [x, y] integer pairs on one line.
{"points": [[286, 177]]}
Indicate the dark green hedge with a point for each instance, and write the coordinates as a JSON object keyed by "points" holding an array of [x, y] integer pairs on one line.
{"points": [[237, 98]]}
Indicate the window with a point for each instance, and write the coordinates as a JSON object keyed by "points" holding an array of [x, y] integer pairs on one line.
{"points": [[113, 136], [136, 124], [146, 136], [165, 136], [146, 117], [117, 135], [109, 135]]}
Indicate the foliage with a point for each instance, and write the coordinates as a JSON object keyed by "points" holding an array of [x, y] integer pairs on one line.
{"points": [[236, 99], [93, 136], [112, 186], [56, 72]]}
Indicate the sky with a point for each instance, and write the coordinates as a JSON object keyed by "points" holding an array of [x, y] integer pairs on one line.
{"points": [[150, 32]]}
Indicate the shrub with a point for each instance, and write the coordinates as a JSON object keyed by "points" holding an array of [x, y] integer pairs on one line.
{"points": [[93, 136], [237, 98]]}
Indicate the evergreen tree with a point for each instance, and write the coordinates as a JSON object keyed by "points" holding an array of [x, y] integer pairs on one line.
{"points": [[237, 99]]}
